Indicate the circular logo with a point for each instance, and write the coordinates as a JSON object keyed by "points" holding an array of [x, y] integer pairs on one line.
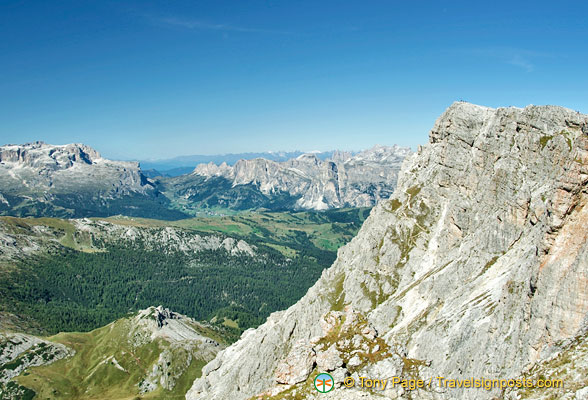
{"points": [[324, 383], [349, 382]]}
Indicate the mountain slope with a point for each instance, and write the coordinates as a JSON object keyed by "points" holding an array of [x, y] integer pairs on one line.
{"points": [[154, 354], [476, 267], [569, 366], [304, 182], [38, 179]]}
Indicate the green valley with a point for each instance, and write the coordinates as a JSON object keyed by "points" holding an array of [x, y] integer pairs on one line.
{"points": [[78, 275]]}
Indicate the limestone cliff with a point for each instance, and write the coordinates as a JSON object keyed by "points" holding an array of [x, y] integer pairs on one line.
{"points": [[475, 267]]}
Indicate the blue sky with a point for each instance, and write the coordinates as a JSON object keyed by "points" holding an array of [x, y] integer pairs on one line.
{"points": [[146, 79]]}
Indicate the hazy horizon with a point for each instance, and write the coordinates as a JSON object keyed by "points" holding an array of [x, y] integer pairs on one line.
{"points": [[192, 154]]}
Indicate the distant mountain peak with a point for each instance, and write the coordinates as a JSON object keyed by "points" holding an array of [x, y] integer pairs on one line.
{"points": [[72, 180], [42, 155]]}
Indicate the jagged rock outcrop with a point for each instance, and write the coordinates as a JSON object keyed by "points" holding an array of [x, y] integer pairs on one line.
{"points": [[309, 182], [19, 352], [475, 267]]}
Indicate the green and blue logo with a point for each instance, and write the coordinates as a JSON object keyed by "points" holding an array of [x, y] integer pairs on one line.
{"points": [[324, 383]]}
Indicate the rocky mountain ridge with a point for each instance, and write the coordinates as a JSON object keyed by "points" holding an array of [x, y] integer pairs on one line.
{"points": [[476, 266], [345, 180], [23, 241], [177, 165]]}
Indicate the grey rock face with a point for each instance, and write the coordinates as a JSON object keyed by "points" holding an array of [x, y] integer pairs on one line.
{"points": [[344, 180], [567, 372], [297, 365], [19, 352], [329, 360], [475, 267]]}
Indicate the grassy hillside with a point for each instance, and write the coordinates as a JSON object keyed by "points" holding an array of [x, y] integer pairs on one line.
{"points": [[110, 363], [289, 232]]}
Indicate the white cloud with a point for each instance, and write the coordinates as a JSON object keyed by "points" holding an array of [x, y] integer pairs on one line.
{"points": [[194, 24], [521, 58]]}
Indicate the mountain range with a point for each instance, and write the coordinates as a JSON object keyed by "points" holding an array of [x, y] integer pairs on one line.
{"points": [[304, 182], [186, 164], [38, 179]]}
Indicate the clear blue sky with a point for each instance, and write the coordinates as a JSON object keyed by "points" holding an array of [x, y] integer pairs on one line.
{"points": [[147, 79]]}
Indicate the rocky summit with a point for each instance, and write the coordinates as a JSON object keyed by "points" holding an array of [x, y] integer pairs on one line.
{"points": [[304, 182], [476, 267]]}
